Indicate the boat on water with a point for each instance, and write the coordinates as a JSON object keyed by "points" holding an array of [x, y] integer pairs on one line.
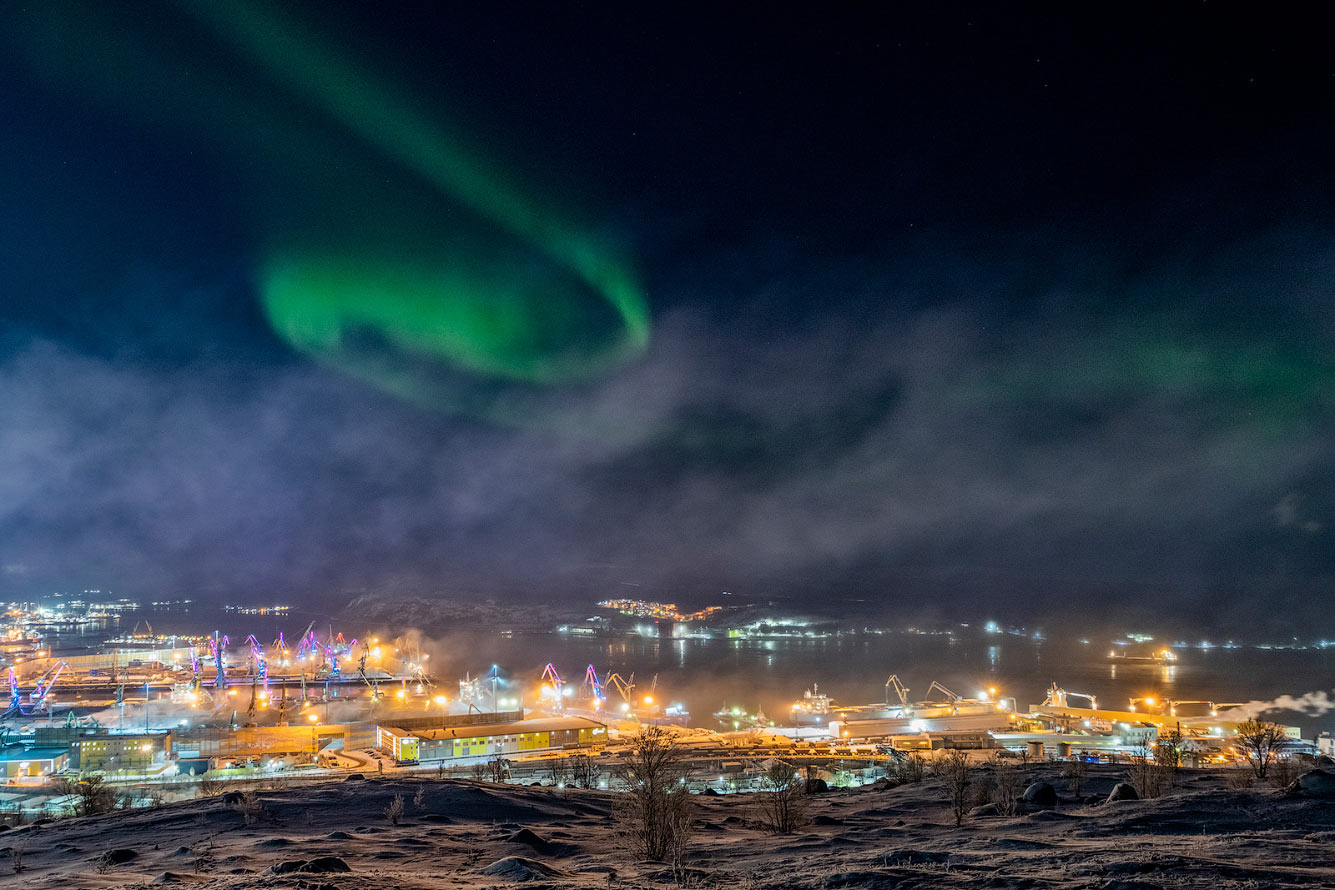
{"points": [[1162, 656], [813, 708], [736, 718], [943, 710]]}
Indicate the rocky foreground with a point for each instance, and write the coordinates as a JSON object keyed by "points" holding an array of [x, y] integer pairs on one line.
{"points": [[336, 836]]}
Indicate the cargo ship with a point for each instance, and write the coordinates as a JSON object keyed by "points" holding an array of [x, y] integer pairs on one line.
{"points": [[945, 710]]}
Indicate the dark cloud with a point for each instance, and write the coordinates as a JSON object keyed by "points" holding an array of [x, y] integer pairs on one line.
{"points": [[953, 312]]}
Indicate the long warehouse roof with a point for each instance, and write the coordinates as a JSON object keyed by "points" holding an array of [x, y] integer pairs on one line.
{"points": [[548, 724]]}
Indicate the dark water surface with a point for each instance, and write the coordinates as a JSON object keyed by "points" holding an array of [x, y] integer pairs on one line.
{"points": [[704, 674]]}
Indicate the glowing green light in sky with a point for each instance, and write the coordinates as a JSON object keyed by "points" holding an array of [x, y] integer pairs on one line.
{"points": [[456, 309]]}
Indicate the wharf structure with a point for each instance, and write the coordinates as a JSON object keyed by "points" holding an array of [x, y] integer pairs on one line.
{"points": [[459, 738]]}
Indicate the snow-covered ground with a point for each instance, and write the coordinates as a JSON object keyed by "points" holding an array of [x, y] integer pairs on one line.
{"points": [[463, 834]]}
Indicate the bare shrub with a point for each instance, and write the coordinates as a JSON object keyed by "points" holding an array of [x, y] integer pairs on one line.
{"points": [[906, 769], [1168, 750], [1148, 776], [1074, 771], [1260, 742], [953, 770], [419, 796], [1004, 792], [478, 771], [1240, 779], [655, 811], [783, 798], [394, 812], [208, 786], [1284, 772], [92, 796], [558, 771], [16, 855], [249, 806], [583, 771], [498, 770]]}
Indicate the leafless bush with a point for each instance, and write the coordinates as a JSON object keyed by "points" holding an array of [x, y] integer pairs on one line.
{"points": [[16, 855], [558, 771], [478, 771], [908, 769], [1260, 742], [955, 773], [655, 811], [783, 798], [1284, 772], [1004, 790], [91, 796], [419, 796], [498, 770], [1240, 779], [1168, 750], [394, 812], [208, 786], [583, 771], [1074, 771], [1148, 776], [249, 805]]}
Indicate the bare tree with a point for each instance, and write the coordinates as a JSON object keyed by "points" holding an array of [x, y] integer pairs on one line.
{"points": [[906, 769], [783, 798], [1005, 788], [558, 771], [1148, 775], [498, 770], [1074, 772], [655, 812], [92, 795], [1168, 750], [1260, 742], [394, 812], [583, 771], [953, 770]]}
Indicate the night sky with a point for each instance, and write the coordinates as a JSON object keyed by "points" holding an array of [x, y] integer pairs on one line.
{"points": [[964, 311]]}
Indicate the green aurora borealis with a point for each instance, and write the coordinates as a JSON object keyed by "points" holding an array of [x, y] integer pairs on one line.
{"points": [[478, 318], [440, 280]]}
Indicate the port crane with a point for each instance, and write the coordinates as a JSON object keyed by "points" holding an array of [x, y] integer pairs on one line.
{"points": [[37, 699], [623, 686], [217, 646], [361, 671], [892, 682], [1057, 698], [259, 665], [596, 688], [552, 686], [950, 695]]}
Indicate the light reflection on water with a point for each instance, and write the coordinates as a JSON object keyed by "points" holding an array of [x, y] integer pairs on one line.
{"points": [[772, 673]]}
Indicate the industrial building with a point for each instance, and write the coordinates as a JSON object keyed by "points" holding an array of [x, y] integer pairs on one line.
{"points": [[18, 762], [105, 751], [489, 740]]}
